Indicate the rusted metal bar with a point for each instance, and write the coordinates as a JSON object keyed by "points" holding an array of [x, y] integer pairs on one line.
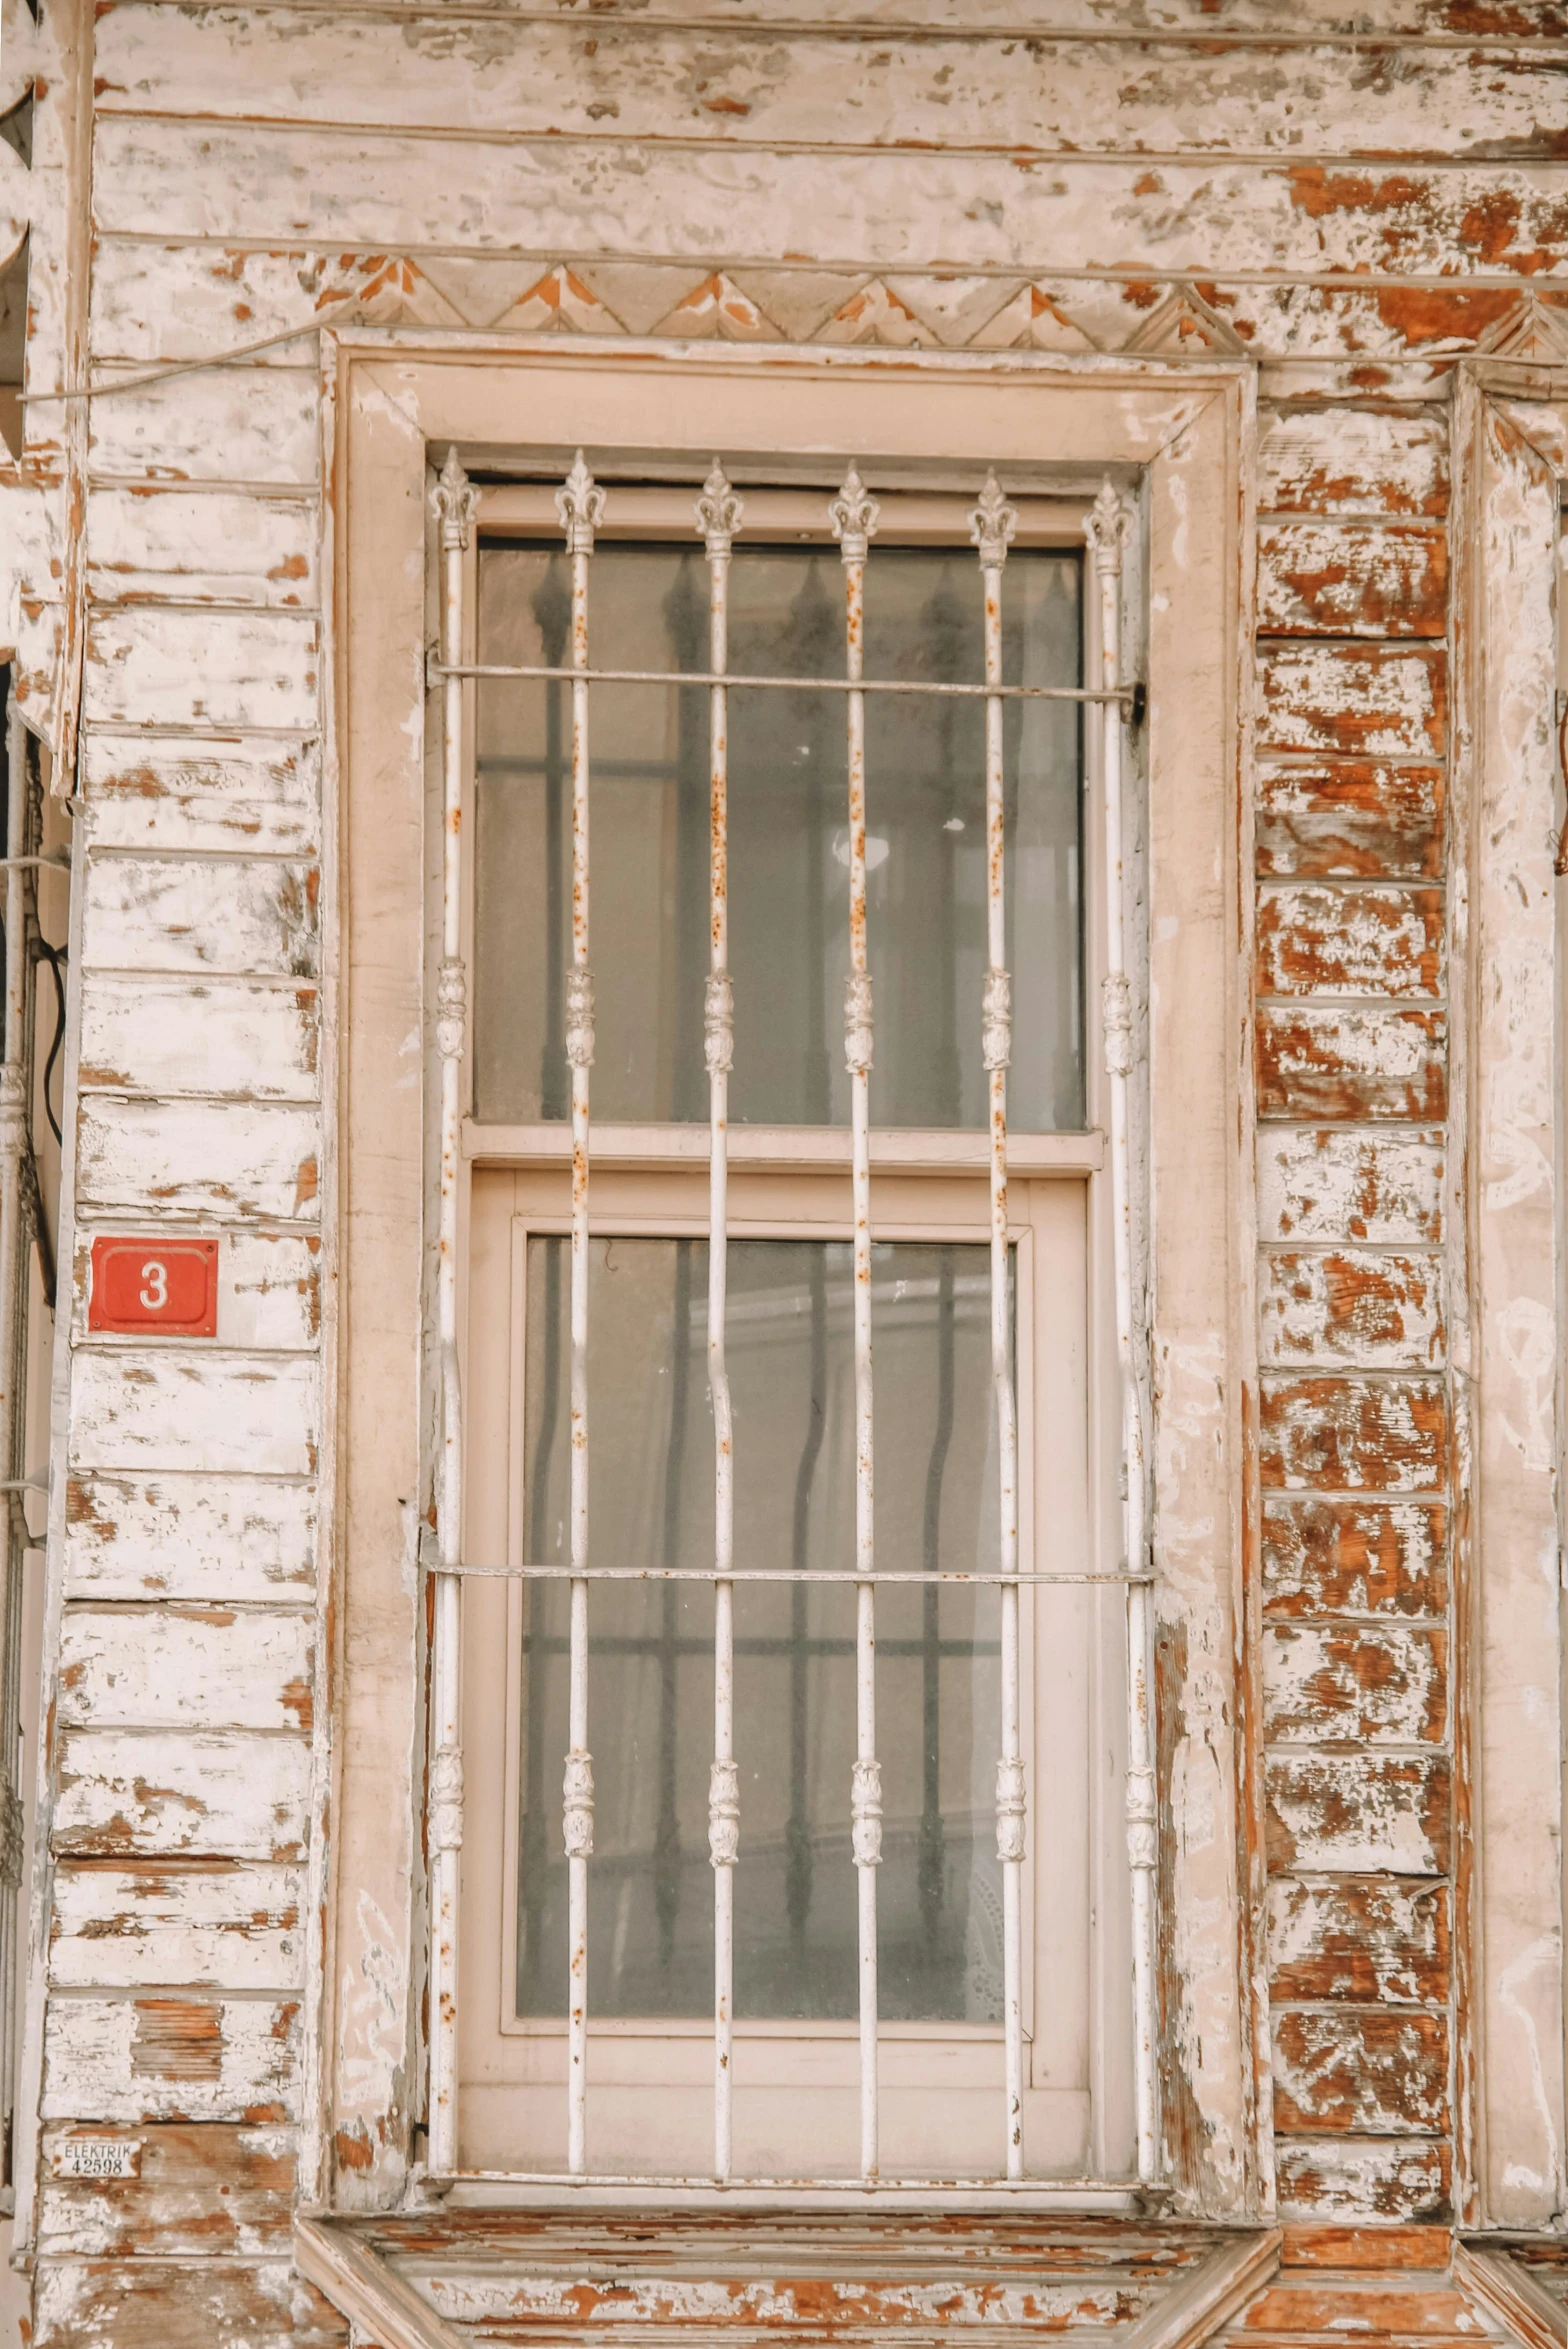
{"points": [[991, 525], [718, 519], [455, 500], [854, 518], [580, 505], [1124, 695], [1107, 528]]}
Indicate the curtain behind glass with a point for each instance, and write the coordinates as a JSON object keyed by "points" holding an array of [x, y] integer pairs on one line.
{"points": [[650, 1697], [788, 839]]}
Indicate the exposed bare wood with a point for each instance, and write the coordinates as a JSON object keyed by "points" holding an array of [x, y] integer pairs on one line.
{"points": [[1511, 2295]]}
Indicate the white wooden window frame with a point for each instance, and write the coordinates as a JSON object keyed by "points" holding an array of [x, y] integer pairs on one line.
{"points": [[1506, 1244], [1178, 433]]}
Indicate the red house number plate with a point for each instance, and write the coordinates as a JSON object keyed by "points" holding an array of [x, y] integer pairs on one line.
{"points": [[143, 1285]]}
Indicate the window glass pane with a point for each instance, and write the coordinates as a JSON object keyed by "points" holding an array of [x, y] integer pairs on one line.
{"points": [[789, 878], [651, 1645]]}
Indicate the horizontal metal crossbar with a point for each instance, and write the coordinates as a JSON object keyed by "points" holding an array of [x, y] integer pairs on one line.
{"points": [[767, 1574], [1126, 697]]}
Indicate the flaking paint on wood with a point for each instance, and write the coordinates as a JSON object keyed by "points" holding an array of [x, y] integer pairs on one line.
{"points": [[1354, 1434], [1349, 819], [1374, 1940], [1359, 1813], [166, 1667], [223, 1162], [173, 2057], [1363, 1684], [1327, 1185], [1354, 1557], [1319, 1063], [1350, 1308], [125, 1793], [237, 1928], [1316, 939], [189, 1535], [1360, 2071], [1385, 2178], [202, 2190]]}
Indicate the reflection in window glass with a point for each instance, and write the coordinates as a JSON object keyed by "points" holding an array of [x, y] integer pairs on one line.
{"points": [[650, 1698], [789, 948]]}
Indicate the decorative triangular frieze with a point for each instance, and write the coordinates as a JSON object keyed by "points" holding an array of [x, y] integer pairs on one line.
{"points": [[717, 307]]}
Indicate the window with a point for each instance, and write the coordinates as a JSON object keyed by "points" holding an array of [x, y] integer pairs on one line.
{"points": [[799, 1643]]}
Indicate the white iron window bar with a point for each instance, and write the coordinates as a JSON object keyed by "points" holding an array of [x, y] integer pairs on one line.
{"points": [[718, 516]]}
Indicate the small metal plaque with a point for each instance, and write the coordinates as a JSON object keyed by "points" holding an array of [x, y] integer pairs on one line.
{"points": [[98, 2157], [154, 1284]]}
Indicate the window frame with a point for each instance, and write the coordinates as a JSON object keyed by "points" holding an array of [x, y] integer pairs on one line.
{"points": [[1179, 430]]}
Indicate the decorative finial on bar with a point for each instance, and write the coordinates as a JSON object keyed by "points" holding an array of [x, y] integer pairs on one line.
{"points": [[865, 1813], [719, 511], [1116, 1017], [991, 524], [857, 1023], [451, 1007], [1010, 1809], [1140, 1819], [578, 1815], [579, 1017], [581, 508], [718, 1024], [723, 1814], [446, 1799], [853, 514], [456, 501], [1106, 526], [996, 1018]]}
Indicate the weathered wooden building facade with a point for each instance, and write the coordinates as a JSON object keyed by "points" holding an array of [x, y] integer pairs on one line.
{"points": [[1109, 1097]]}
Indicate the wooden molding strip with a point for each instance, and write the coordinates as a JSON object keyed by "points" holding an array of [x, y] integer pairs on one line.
{"points": [[1193, 2311], [1505, 2289], [379, 2305]]}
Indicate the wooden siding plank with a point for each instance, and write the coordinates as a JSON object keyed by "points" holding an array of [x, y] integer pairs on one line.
{"points": [[210, 2190], [150, 2304], [125, 1793], [1360, 2071], [1363, 1684], [216, 668], [382, 188], [149, 1408], [1353, 1434], [1376, 1940], [199, 1158], [1352, 700], [235, 914], [185, 795], [189, 1537], [1351, 819], [1387, 2178], [1354, 1557], [1352, 1308], [1352, 461], [1383, 579], [223, 1037], [1318, 939], [1317, 1063], [758, 86], [1358, 1814], [249, 424], [210, 546], [181, 1667], [171, 2058], [1387, 2308], [237, 1928], [1334, 1186]]}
